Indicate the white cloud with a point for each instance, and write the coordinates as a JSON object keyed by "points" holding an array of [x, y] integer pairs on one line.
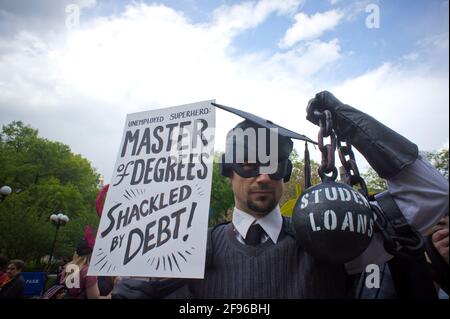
{"points": [[413, 56], [310, 27], [87, 3], [230, 20], [42, 15], [438, 42], [310, 58], [355, 8]]}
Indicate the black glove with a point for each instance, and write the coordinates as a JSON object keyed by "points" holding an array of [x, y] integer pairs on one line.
{"points": [[153, 289], [321, 102], [386, 151]]}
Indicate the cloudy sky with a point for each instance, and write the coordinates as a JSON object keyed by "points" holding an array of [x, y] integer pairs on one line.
{"points": [[74, 69]]}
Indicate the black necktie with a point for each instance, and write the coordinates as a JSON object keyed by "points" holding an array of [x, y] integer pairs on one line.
{"points": [[254, 235]]}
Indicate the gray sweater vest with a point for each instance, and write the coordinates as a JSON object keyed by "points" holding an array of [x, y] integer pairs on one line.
{"points": [[282, 270]]}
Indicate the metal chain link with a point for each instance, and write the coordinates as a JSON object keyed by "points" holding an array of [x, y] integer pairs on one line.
{"points": [[352, 176], [326, 130], [399, 245]]}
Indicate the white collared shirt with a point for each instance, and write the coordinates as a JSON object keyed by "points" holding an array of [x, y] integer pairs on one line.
{"points": [[271, 223]]}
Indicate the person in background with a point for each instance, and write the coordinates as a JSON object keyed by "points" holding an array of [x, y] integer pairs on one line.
{"points": [[61, 268], [82, 286], [14, 286], [3, 265]]}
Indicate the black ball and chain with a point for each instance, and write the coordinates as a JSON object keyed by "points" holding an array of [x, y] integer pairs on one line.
{"points": [[333, 222]]}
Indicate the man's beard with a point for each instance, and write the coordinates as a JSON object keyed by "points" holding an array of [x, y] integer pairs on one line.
{"points": [[264, 209], [263, 204]]}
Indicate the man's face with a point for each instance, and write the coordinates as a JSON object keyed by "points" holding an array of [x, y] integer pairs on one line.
{"points": [[258, 195], [12, 271]]}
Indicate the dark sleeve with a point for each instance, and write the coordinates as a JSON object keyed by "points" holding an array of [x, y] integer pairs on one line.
{"points": [[153, 289], [105, 285], [14, 290], [353, 287]]}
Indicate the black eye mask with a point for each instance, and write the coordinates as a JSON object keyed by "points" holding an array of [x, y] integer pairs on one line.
{"points": [[254, 169]]}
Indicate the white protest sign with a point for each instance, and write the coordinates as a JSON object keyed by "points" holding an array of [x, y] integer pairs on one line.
{"points": [[155, 218]]}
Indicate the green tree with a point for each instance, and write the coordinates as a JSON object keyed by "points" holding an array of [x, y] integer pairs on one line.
{"points": [[375, 184], [298, 177], [222, 198], [438, 159], [46, 177]]}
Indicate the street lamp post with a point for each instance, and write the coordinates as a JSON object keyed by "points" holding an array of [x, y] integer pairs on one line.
{"points": [[4, 191], [57, 220]]}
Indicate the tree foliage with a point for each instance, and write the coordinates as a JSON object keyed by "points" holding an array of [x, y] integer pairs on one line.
{"points": [[438, 159], [298, 177], [375, 184], [46, 177], [222, 198]]}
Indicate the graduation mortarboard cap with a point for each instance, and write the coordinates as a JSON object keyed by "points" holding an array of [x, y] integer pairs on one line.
{"points": [[235, 141], [265, 123]]}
